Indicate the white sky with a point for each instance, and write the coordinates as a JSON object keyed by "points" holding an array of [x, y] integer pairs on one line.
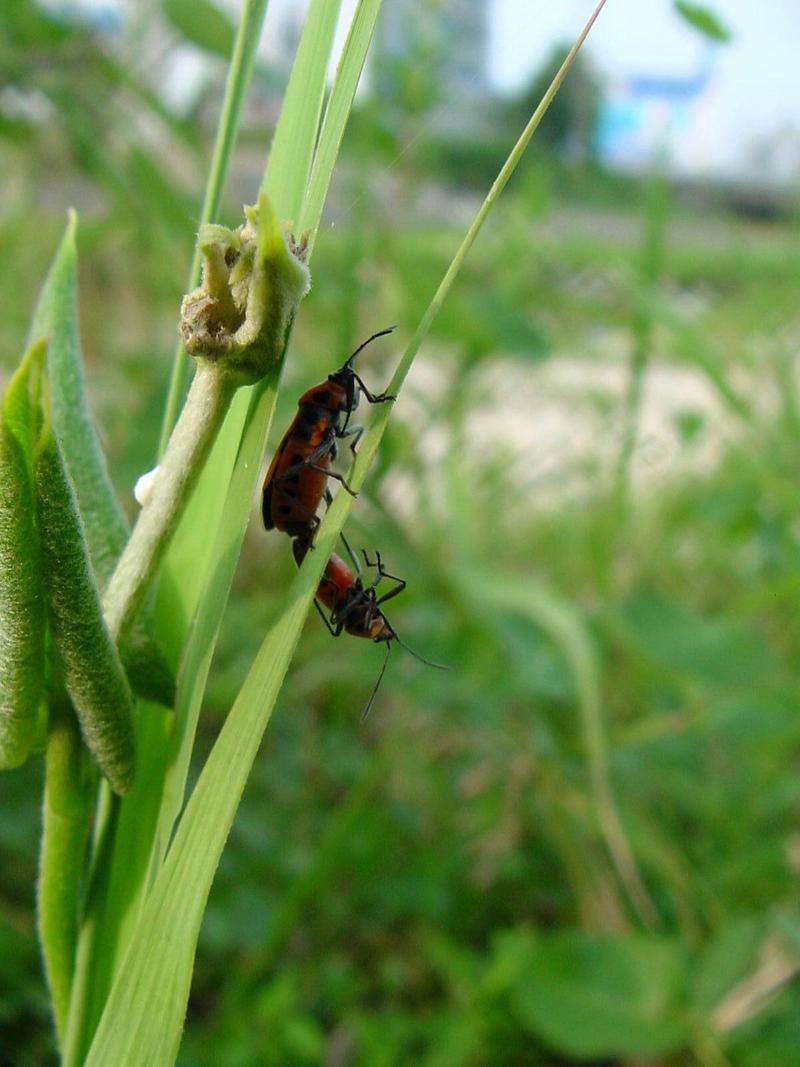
{"points": [[756, 79]]}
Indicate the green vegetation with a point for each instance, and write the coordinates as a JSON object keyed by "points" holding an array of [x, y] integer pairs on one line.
{"points": [[577, 845]]}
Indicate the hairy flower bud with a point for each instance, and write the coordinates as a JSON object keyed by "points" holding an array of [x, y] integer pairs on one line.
{"points": [[254, 277]]}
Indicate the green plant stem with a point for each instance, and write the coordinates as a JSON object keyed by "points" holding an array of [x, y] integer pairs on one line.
{"points": [[208, 400], [65, 829], [650, 267], [239, 75]]}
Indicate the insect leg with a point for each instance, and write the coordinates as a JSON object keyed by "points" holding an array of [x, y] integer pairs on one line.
{"points": [[332, 474], [333, 630], [381, 572], [373, 398]]}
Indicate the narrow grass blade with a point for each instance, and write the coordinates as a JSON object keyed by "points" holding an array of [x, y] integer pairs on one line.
{"points": [[145, 1010], [247, 424], [503, 595], [337, 113], [289, 164], [205, 629], [237, 500], [240, 72], [372, 438]]}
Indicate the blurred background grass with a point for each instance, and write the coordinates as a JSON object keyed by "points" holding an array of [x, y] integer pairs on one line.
{"points": [[590, 485]]}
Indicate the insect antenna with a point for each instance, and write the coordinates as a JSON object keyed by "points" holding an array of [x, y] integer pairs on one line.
{"points": [[416, 655], [371, 700], [369, 340]]}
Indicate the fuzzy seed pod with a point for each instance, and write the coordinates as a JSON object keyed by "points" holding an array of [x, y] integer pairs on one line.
{"points": [[93, 673], [253, 280], [22, 623]]}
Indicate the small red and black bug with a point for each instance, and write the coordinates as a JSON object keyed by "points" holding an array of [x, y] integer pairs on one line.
{"points": [[355, 608], [297, 479]]}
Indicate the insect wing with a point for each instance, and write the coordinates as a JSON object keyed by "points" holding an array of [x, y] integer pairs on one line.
{"points": [[266, 491]]}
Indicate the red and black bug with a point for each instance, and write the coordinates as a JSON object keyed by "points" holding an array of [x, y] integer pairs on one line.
{"points": [[297, 479], [355, 608]]}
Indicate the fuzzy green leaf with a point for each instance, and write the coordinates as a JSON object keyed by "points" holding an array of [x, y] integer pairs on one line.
{"points": [[56, 320], [92, 669], [104, 523], [22, 620]]}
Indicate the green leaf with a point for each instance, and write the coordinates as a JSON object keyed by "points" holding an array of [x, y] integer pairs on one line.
{"points": [[603, 997], [93, 672], [711, 651], [202, 23], [22, 619], [704, 20], [56, 320], [729, 957], [145, 1010]]}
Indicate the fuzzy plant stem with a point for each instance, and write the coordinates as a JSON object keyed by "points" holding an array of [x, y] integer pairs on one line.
{"points": [[206, 404]]}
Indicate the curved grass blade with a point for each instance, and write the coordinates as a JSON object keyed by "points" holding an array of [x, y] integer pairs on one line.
{"points": [[504, 595]]}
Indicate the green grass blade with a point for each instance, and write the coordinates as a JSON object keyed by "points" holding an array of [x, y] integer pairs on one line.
{"points": [[143, 1018], [236, 508], [240, 72], [337, 113], [190, 556], [289, 164], [205, 630], [528, 599]]}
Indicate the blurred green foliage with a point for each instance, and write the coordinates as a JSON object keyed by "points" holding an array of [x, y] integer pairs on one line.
{"points": [[435, 887]]}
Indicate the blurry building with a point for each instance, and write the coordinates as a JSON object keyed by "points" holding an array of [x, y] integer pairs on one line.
{"points": [[648, 117]]}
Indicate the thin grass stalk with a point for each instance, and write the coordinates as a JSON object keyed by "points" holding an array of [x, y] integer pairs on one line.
{"points": [[651, 265], [240, 73]]}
